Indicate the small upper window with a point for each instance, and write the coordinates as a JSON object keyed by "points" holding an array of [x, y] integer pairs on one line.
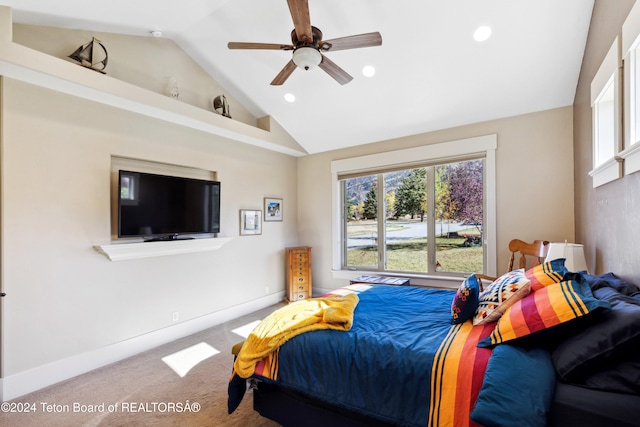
{"points": [[606, 109], [630, 50], [604, 124]]}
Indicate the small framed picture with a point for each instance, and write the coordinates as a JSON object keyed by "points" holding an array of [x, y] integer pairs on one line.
{"points": [[272, 209], [250, 222]]}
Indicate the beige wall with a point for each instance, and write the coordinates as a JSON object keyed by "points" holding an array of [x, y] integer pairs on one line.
{"points": [[534, 183], [66, 303], [64, 298], [606, 217]]}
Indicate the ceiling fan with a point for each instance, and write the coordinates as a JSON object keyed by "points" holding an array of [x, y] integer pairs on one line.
{"points": [[308, 46]]}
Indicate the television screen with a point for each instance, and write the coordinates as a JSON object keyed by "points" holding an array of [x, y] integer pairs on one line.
{"points": [[163, 207]]}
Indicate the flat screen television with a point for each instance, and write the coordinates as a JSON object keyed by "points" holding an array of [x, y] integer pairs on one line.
{"points": [[161, 207]]}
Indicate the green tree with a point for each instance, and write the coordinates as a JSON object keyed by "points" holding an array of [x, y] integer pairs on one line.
{"points": [[390, 200], [370, 208], [411, 198], [446, 207]]}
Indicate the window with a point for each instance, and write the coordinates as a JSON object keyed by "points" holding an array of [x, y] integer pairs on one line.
{"points": [[606, 112], [634, 89], [604, 120], [425, 211], [407, 206], [631, 106]]}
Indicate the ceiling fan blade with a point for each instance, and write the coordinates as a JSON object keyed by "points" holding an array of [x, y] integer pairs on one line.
{"points": [[284, 74], [301, 19], [267, 46], [340, 75], [352, 42]]}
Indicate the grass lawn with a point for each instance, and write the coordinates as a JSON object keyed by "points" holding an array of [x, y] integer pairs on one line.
{"points": [[411, 255]]}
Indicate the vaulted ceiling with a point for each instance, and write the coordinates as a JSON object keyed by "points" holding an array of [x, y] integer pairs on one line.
{"points": [[430, 73]]}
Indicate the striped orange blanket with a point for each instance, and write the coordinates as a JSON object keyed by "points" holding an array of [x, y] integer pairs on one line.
{"points": [[457, 374]]}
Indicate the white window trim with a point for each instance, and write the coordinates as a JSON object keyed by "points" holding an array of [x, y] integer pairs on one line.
{"points": [[631, 141], [610, 169], [486, 145]]}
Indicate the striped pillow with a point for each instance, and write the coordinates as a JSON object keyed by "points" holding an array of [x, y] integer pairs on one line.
{"points": [[546, 274], [547, 307]]}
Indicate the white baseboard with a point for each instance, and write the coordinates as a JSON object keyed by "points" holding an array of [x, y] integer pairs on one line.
{"points": [[34, 379]]}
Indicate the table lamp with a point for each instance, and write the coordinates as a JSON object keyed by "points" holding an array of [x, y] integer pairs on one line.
{"points": [[573, 253]]}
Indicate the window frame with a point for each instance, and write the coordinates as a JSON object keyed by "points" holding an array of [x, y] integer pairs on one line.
{"points": [[608, 76], [484, 146], [382, 261], [630, 51]]}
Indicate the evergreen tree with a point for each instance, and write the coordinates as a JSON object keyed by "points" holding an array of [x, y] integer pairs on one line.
{"points": [[370, 209], [411, 197]]}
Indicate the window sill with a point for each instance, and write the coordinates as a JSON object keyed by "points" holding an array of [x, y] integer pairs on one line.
{"points": [[607, 172], [448, 282], [631, 157]]}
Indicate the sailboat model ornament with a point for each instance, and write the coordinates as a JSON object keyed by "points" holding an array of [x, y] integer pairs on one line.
{"points": [[89, 55], [221, 106]]}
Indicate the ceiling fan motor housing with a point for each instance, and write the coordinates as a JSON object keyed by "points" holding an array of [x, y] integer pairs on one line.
{"points": [[315, 33]]}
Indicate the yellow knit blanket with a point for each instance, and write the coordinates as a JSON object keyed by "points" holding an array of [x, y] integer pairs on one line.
{"points": [[332, 312]]}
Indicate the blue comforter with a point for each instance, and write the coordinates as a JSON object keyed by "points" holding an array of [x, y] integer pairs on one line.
{"points": [[401, 337], [383, 362]]}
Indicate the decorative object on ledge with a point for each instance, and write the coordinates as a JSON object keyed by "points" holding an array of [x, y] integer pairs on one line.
{"points": [[221, 106], [125, 251], [250, 222], [172, 88], [272, 209], [88, 55], [50, 72]]}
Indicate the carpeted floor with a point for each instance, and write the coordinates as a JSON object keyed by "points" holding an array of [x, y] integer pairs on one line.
{"points": [[144, 390]]}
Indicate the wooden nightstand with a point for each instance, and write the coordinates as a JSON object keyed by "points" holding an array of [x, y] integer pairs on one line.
{"points": [[298, 265]]}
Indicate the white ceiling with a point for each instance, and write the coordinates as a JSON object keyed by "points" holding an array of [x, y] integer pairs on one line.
{"points": [[430, 73]]}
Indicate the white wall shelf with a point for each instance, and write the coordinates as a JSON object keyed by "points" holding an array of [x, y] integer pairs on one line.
{"points": [[37, 68], [125, 251]]}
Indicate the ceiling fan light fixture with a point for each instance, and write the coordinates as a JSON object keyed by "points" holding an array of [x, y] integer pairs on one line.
{"points": [[307, 58]]}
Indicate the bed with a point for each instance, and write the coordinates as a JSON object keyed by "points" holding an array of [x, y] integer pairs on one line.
{"points": [[411, 356]]}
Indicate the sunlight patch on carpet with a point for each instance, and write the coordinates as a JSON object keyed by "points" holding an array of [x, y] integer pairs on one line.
{"points": [[184, 360], [245, 330]]}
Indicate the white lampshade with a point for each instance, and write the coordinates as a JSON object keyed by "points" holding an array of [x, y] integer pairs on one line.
{"points": [[307, 58], [573, 253]]}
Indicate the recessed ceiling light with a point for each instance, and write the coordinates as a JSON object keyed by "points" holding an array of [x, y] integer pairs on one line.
{"points": [[368, 71], [482, 33], [289, 97]]}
